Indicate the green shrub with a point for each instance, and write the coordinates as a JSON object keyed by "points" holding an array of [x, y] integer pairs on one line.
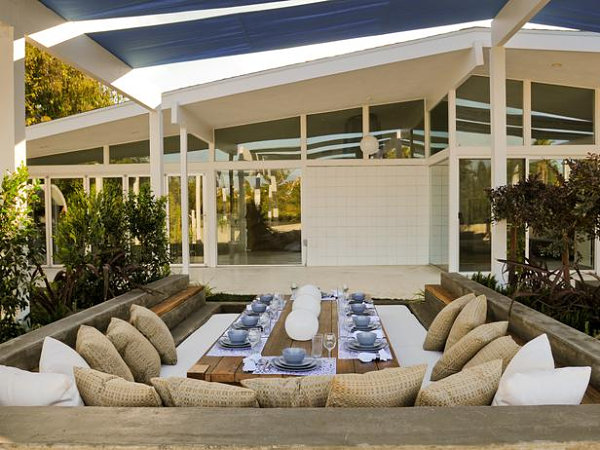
{"points": [[17, 230]]}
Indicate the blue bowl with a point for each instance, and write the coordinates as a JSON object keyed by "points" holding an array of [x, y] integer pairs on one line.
{"points": [[249, 321], [366, 338], [359, 296], [361, 321], [266, 298], [358, 308], [259, 307], [293, 355], [237, 336]]}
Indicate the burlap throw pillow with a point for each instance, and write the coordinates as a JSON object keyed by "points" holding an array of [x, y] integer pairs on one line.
{"points": [[297, 392], [475, 386], [156, 331], [103, 389], [384, 388], [453, 360], [471, 316], [137, 352], [504, 348], [442, 323], [100, 353], [188, 392]]}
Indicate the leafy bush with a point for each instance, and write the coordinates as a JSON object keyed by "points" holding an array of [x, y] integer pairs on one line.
{"points": [[17, 230]]}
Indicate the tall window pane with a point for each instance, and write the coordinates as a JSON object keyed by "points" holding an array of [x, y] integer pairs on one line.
{"points": [[561, 115], [514, 112], [439, 126], [61, 189], [259, 217], [39, 218], [135, 183], [197, 149], [399, 128], [474, 215], [335, 135], [195, 218], [515, 172], [265, 141], [130, 153]]}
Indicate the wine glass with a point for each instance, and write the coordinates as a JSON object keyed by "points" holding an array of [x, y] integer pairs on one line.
{"points": [[254, 337], [329, 342]]}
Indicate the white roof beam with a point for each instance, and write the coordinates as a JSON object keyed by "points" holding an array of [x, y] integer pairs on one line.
{"points": [[459, 73], [185, 118], [512, 17], [30, 18]]}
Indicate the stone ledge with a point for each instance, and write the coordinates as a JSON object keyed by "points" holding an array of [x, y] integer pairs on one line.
{"points": [[24, 351], [499, 427], [570, 347]]}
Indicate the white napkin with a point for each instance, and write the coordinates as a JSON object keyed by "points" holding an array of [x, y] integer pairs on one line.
{"points": [[250, 362], [384, 355], [366, 357]]}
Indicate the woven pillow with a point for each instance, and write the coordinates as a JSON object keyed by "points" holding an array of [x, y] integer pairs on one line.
{"points": [[297, 392], [137, 352], [504, 348], [471, 316], [188, 392], [475, 386], [100, 353], [384, 388], [442, 323], [453, 360], [102, 389], [156, 331]]}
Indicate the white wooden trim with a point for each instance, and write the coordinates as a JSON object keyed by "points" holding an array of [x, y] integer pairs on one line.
{"points": [[156, 131], [511, 18], [183, 183]]}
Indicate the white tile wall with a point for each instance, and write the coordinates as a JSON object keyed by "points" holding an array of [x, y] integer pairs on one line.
{"points": [[366, 215], [438, 239]]}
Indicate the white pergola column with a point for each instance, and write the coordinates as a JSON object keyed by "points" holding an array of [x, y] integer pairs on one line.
{"points": [[12, 99], [499, 150], [453, 188], [157, 181], [183, 174]]}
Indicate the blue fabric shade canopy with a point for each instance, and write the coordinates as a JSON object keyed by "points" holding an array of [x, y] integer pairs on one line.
{"points": [[288, 27]]}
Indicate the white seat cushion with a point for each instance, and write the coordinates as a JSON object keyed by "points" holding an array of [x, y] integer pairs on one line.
{"points": [[198, 343], [406, 336]]}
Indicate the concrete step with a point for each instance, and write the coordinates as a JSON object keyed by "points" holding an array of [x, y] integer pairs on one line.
{"points": [[193, 321], [436, 297], [180, 305]]}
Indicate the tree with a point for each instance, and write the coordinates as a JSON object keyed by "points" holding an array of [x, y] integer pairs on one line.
{"points": [[54, 89]]}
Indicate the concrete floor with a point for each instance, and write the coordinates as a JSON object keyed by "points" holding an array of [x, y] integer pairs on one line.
{"points": [[379, 281]]}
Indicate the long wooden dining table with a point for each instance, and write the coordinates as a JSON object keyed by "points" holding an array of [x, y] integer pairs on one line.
{"points": [[228, 369]]}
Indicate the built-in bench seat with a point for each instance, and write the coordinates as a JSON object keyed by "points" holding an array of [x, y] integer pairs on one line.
{"points": [[198, 343]]}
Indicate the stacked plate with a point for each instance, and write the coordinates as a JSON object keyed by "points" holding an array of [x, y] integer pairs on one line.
{"points": [[371, 327], [355, 346], [366, 312], [225, 342], [238, 325], [306, 365]]}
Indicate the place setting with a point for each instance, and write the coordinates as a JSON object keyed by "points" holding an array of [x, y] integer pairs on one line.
{"points": [[363, 323], [360, 309]]}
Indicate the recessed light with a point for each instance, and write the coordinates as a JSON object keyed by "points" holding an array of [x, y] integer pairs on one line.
{"points": [[556, 65]]}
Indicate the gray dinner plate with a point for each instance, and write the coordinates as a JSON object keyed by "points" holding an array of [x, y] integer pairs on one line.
{"points": [[355, 346], [224, 341], [281, 364]]}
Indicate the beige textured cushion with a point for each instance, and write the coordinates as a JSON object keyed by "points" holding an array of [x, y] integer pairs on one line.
{"points": [[297, 392], [102, 389], [156, 331], [441, 325], [475, 386], [503, 348], [100, 353], [137, 352], [453, 360], [471, 316], [188, 392], [384, 388]]}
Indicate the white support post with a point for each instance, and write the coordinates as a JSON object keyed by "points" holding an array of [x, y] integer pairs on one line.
{"points": [[156, 152], [211, 227], [597, 143], [183, 174], [12, 100], [453, 188], [427, 130], [499, 150]]}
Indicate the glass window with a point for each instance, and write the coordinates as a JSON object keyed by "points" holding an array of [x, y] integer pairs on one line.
{"points": [[473, 112], [197, 149], [438, 135], [561, 115], [474, 215], [195, 220], [515, 172], [259, 217], [130, 153], [135, 183], [61, 189], [335, 135], [550, 171], [265, 141], [39, 218], [90, 156], [399, 128]]}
